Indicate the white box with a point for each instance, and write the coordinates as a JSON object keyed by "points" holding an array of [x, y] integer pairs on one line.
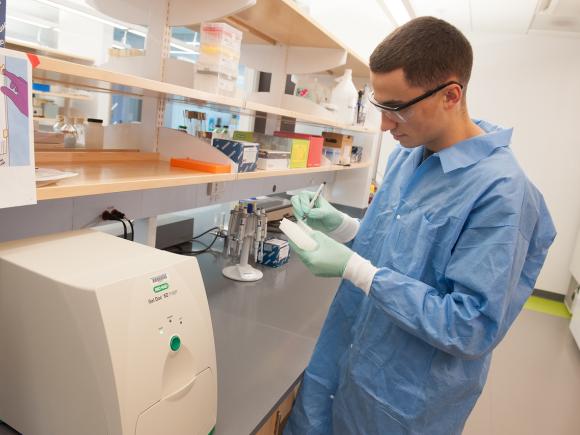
{"points": [[94, 134]]}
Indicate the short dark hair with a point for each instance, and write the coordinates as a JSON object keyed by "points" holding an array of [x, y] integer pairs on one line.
{"points": [[429, 51]]}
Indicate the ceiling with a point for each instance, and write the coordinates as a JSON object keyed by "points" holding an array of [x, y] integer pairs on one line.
{"points": [[513, 16]]}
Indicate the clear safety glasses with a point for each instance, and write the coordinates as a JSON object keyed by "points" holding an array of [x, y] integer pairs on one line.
{"points": [[402, 112]]}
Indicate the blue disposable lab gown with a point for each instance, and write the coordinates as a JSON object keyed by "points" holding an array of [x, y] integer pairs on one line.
{"points": [[459, 241]]}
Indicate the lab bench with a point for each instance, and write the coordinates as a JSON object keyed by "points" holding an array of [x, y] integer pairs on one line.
{"points": [[264, 333]]}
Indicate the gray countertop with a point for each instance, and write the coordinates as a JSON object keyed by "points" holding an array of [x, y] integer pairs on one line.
{"points": [[264, 335]]}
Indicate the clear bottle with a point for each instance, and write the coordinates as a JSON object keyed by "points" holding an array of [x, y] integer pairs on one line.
{"points": [[58, 124], [79, 126], [70, 135]]}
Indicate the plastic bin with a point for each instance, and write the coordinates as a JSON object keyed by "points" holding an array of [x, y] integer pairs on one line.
{"points": [[221, 34], [273, 160], [215, 82]]}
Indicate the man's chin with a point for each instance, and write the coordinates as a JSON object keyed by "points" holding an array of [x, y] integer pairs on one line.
{"points": [[406, 143]]}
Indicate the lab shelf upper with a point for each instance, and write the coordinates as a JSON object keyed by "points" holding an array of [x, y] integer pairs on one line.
{"points": [[100, 80], [282, 22], [310, 119]]}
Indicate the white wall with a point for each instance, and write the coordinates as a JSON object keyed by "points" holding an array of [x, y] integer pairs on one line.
{"points": [[529, 82], [532, 83]]}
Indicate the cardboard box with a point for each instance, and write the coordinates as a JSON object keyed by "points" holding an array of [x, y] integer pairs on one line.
{"points": [[315, 146], [332, 154], [244, 154], [270, 159], [341, 141], [276, 253]]}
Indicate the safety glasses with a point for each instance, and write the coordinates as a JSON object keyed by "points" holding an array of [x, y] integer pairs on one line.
{"points": [[402, 112]]}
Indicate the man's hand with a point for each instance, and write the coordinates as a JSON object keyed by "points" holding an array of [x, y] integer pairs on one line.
{"points": [[322, 217], [328, 260], [17, 92]]}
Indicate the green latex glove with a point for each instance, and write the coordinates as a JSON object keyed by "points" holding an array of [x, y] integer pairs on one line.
{"points": [[328, 260], [322, 217]]}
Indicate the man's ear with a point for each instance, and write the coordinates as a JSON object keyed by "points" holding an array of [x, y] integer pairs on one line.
{"points": [[452, 96]]}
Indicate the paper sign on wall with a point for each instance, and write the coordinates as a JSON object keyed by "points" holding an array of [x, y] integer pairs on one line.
{"points": [[17, 179], [2, 23]]}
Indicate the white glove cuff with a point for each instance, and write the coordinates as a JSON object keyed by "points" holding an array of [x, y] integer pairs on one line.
{"points": [[346, 230], [360, 272]]}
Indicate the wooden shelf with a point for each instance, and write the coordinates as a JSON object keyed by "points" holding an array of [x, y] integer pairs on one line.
{"points": [[281, 21], [309, 119], [100, 80], [95, 79], [112, 175], [288, 172]]}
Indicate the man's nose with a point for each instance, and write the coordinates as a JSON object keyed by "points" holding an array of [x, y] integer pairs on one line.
{"points": [[387, 123]]}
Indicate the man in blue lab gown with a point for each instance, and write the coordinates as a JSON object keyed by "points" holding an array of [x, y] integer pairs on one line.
{"points": [[440, 266]]}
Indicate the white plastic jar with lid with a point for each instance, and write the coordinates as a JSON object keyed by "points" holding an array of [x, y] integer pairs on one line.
{"points": [[344, 96]]}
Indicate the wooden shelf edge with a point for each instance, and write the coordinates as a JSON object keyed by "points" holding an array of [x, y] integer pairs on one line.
{"points": [[96, 74], [75, 191], [182, 178]]}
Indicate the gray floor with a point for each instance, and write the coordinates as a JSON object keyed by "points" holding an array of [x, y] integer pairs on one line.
{"points": [[534, 382]]}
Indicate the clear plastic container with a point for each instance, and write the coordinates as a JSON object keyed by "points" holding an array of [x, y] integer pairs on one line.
{"points": [[221, 34], [218, 65], [209, 50], [219, 50], [215, 82]]}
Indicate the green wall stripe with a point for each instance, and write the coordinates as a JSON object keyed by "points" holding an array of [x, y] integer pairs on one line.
{"points": [[547, 306]]}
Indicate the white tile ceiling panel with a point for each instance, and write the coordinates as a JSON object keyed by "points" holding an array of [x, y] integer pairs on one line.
{"points": [[456, 12], [513, 16]]}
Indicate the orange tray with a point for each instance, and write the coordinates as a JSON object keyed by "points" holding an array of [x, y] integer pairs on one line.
{"points": [[198, 165]]}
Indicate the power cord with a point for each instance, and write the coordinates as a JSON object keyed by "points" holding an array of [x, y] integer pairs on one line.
{"points": [[116, 215], [218, 235]]}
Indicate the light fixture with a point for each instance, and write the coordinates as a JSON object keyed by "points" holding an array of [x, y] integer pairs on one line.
{"points": [[397, 11], [83, 14]]}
